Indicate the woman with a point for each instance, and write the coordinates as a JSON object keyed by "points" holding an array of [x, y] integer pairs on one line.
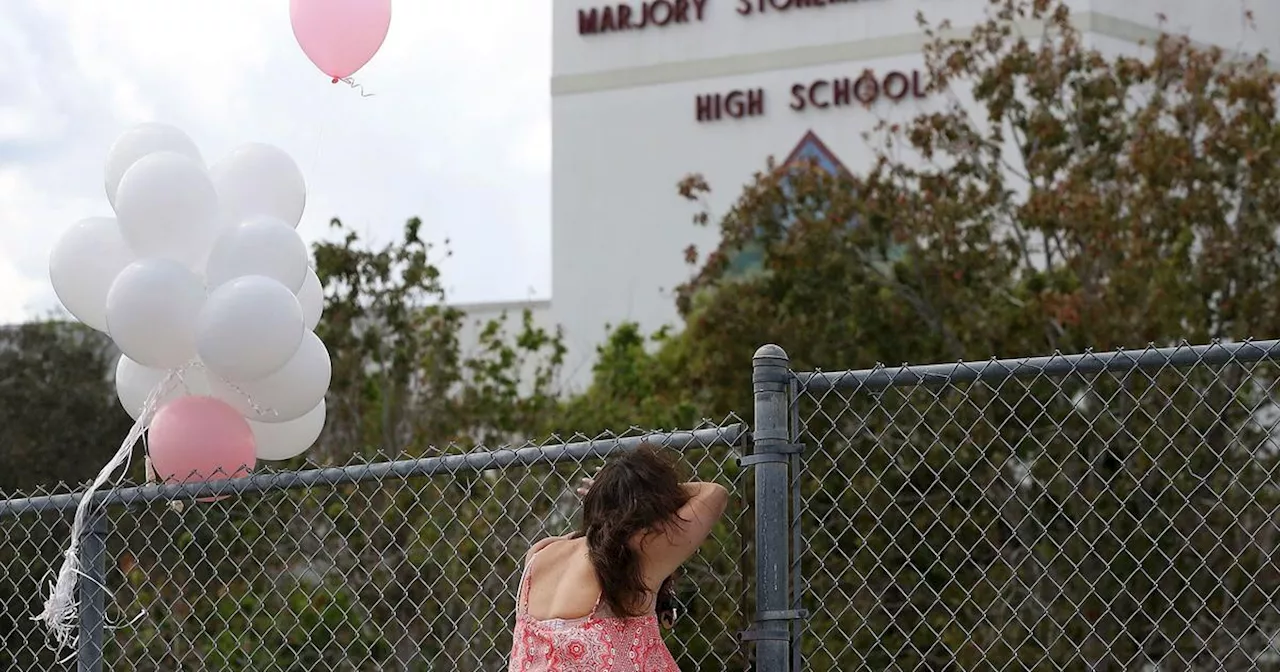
{"points": [[587, 601]]}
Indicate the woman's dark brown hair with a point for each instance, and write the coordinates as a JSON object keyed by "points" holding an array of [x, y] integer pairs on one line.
{"points": [[635, 495]]}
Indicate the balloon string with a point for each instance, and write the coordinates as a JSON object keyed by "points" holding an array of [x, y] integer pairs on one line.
{"points": [[62, 608], [351, 82], [259, 411]]}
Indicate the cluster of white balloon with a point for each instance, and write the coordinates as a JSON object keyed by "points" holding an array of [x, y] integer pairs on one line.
{"points": [[204, 285]]}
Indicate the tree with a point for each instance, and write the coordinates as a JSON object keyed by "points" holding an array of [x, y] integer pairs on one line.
{"points": [[397, 574], [1062, 199], [58, 407], [401, 379], [636, 382]]}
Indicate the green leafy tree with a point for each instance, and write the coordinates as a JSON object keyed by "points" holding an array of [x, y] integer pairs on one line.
{"points": [[58, 406], [402, 380], [396, 574], [1059, 198], [637, 381]]}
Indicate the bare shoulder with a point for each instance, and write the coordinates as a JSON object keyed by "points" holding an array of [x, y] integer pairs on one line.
{"points": [[543, 543]]}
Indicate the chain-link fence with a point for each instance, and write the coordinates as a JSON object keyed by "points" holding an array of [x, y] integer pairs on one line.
{"points": [[1102, 511], [406, 565], [1108, 511]]}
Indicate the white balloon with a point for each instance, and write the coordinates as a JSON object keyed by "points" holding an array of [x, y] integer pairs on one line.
{"points": [[286, 440], [287, 394], [311, 296], [140, 141], [83, 264], [151, 312], [250, 327], [258, 179], [134, 383], [260, 245], [168, 208]]}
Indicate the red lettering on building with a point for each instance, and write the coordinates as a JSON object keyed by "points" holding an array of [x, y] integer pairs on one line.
{"points": [[749, 7], [841, 89], [896, 86], [864, 90], [736, 104], [625, 16]]}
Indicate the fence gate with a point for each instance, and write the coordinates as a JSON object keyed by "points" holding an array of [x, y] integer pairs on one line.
{"points": [[1100, 511]]}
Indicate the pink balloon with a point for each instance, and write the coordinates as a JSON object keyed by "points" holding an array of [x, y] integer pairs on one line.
{"points": [[196, 439], [340, 36]]}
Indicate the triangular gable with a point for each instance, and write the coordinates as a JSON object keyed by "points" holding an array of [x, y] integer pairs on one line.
{"points": [[812, 148], [748, 260]]}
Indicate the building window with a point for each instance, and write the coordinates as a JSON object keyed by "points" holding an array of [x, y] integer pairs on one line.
{"points": [[749, 260]]}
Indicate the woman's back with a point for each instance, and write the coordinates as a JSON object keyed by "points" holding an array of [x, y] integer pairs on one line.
{"points": [[566, 586], [561, 624], [587, 601]]}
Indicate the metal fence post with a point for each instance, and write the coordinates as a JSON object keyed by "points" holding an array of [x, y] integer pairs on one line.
{"points": [[93, 597], [770, 377]]}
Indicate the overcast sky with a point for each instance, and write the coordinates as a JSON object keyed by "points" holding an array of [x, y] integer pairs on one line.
{"points": [[457, 133]]}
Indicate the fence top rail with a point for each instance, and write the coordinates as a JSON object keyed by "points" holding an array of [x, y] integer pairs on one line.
{"points": [[994, 370], [728, 435]]}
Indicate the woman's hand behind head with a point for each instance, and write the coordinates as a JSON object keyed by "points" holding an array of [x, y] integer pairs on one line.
{"points": [[641, 522], [665, 552], [585, 484]]}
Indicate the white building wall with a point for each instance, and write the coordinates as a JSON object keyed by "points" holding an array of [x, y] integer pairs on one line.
{"points": [[625, 127], [619, 227]]}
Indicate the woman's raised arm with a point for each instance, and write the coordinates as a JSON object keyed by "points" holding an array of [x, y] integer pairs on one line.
{"points": [[667, 550]]}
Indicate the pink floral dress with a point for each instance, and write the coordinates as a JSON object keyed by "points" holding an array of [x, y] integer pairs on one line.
{"points": [[594, 643]]}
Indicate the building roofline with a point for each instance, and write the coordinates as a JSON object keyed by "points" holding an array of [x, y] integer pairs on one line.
{"points": [[499, 306]]}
